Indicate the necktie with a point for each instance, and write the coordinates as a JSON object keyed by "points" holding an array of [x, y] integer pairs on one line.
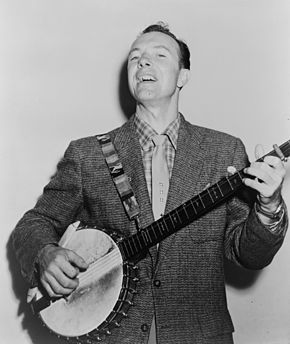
{"points": [[160, 185], [160, 176]]}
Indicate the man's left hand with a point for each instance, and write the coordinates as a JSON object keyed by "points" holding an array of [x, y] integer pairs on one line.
{"points": [[268, 178]]}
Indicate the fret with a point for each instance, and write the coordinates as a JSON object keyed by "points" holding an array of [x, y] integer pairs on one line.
{"points": [[163, 226], [146, 232], [137, 241], [214, 192], [207, 199], [158, 227], [240, 175], [228, 180], [152, 229], [194, 208], [182, 216], [210, 195], [168, 223], [172, 222], [151, 235], [177, 213], [198, 204], [184, 208], [220, 190], [175, 219], [124, 245], [226, 186], [134, 244], [139, 237], [201, 200], [132, 251], [146, 236], [236, 180]]}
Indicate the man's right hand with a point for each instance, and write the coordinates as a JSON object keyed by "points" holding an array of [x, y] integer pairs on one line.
{"points": [[58, 269]]}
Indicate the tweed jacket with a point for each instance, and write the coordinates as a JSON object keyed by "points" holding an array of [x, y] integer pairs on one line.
{"points": [[189, 296]]}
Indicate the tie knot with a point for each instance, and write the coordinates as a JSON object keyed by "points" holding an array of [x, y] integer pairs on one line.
{"points": [[158, 140]]}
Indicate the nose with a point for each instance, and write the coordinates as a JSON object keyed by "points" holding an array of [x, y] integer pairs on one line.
{"points": [[144, 61]]}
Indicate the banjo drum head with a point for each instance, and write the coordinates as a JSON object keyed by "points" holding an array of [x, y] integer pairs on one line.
{"points": [[99, 286]]}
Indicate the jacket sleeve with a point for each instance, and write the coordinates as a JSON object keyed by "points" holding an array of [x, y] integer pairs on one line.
{"points": [[248, 242], [53, 212]]}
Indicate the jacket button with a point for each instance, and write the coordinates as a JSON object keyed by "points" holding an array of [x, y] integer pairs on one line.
{"points": [[144, 328], [157, 283]]}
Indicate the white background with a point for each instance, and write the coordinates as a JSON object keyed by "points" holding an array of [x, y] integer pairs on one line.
{"points": [[62, 77]]}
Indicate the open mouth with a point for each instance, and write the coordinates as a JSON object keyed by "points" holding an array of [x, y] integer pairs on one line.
{"points": [[146, 78]]}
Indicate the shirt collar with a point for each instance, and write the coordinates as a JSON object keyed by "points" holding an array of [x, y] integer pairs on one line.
{"points": [[145, 132]]}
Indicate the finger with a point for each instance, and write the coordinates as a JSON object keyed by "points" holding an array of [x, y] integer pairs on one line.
{"points": [[259, 151], [271, 172], [69, 270], [60, 274], [49, 290], [59, 285], [67, 261], [254, 184], [76, 260], [261, 171], [276, 163], [267, 187], [262, 189]]}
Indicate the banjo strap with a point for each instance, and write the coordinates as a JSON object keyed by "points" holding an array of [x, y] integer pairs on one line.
{"points": [[120, 178]]}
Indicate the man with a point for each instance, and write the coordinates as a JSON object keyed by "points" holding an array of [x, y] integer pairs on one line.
{"points": [[181, 293]]}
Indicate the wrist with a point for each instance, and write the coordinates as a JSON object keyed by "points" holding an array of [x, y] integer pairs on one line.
{"points": [[269, 205], [48, 246], [44, 251], [274, 213]]}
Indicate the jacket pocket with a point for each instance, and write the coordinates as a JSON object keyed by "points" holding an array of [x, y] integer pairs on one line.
{"points": [[215, 324]]}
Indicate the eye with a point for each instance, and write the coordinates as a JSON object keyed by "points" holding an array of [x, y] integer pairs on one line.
{"points": [[133, 57]]}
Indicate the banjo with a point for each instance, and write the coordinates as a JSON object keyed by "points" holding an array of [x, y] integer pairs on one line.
{"points": [[106, 289]]}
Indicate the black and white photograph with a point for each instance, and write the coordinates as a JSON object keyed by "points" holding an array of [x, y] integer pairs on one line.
{"points": [[144, 152]]}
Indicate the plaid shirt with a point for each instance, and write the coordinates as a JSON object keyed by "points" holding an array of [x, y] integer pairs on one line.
{"points": [[145, 133]]}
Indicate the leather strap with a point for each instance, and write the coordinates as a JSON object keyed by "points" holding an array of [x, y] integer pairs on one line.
{"points": [[119, 177]]}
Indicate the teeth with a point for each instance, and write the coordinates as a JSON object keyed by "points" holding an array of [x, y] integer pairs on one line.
{"points": [[147, 78]]}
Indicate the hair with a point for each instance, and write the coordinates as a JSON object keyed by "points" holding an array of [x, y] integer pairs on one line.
{"points": [[184, 53]]}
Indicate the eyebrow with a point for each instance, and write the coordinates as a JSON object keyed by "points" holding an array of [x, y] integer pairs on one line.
{"points": [[160, 46]]}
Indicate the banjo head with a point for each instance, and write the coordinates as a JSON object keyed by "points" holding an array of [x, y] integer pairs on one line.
{"points": [[93, 300]]}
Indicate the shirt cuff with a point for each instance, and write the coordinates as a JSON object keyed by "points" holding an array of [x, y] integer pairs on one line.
{"points": [[276, 226]]}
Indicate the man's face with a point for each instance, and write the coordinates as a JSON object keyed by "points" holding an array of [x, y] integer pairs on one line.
{"points": [[153, 67]]}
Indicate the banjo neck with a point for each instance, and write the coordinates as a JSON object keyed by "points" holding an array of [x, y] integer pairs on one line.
{"points": [[188, 211]]}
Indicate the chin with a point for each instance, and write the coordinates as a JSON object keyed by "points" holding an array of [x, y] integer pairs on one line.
{"points": [[145, 95]]}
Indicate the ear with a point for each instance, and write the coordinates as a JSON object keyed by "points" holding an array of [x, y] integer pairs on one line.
{"points": [[183, 77]]}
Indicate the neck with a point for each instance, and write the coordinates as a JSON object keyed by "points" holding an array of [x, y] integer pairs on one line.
{"points": [[159, 117]]}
